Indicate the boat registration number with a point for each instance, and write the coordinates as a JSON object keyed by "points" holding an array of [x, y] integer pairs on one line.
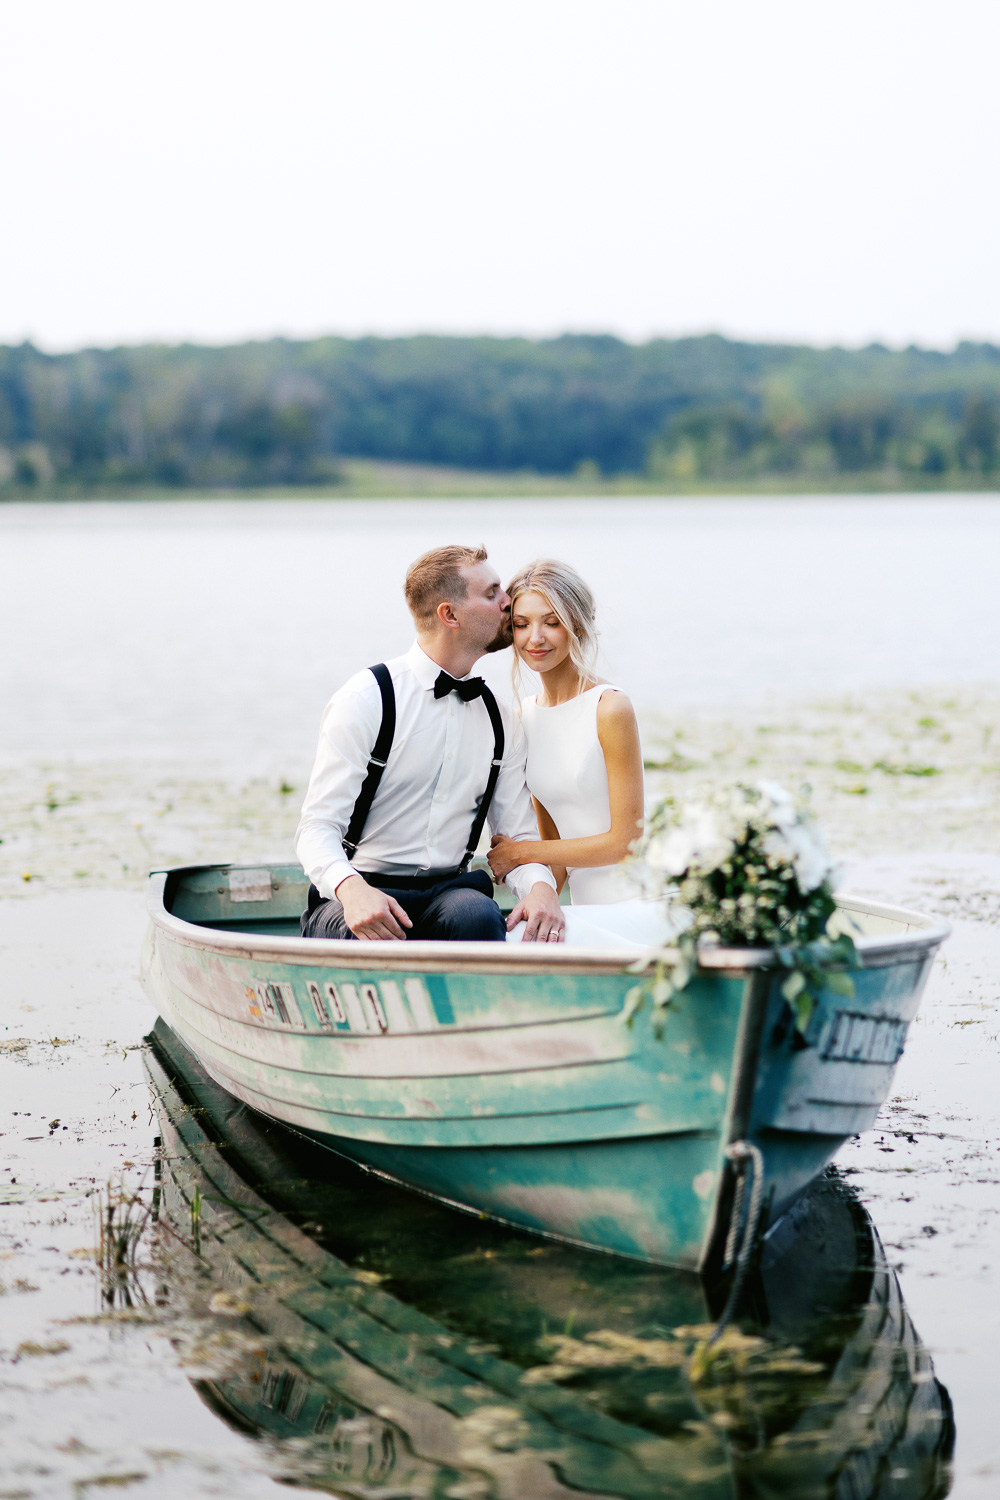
{"points": [[361, 1008], [856, 1037]]}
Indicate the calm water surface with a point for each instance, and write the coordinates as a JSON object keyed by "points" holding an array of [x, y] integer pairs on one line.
{"points": [[220, 628]]}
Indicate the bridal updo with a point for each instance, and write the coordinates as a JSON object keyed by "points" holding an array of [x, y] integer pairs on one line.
{"points": [[570, 600]]}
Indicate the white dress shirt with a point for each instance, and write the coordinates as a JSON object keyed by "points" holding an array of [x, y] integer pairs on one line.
{"points": [[432, 785]]}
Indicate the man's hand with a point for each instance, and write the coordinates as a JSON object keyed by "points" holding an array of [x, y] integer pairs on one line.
{"points": [[542, 914], [370, 914]]}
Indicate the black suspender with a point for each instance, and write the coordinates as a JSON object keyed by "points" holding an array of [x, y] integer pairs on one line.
{"points": [[491, 785], [377, 763], [380, 756]]}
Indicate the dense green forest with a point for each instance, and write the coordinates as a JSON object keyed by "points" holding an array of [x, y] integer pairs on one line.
{"points": [[689, 412]]}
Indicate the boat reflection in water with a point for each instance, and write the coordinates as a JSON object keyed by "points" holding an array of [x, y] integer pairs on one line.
{"points": [[386, 1346]]}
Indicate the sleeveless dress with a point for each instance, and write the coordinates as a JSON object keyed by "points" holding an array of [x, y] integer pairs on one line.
{"points": [[566, 771]]}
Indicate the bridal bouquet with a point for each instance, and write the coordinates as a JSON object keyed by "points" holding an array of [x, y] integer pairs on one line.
{"points": [[749, 868]]}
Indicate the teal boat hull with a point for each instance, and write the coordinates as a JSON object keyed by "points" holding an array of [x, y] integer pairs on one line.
{"points": [[503, 1080]]}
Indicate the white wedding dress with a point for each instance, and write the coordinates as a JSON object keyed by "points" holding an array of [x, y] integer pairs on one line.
{"points": [[566, 771]]}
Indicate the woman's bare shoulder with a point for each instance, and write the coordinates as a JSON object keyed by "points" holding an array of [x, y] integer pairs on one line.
{"points": [[614, 706], [616, 721]]}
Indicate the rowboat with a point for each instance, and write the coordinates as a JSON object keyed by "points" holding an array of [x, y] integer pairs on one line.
{"points": [[502, 1080], [381, 1345]]}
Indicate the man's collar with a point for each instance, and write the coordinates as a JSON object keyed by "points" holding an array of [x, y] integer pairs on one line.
{"points": [[424, 669], [420, 664]]}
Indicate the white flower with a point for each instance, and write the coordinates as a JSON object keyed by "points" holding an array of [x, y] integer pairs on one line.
{"points": [[661, 853], [813, 864], [696, 841], [775, 794], [800, 845], [701, 837], [777, 806], [779, 847]]}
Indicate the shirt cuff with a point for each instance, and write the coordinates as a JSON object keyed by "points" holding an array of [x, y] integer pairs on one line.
{"points": [[523, 877], [332, 876]]}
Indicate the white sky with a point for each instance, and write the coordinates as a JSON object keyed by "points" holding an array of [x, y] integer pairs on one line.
{"points": [[217, 169]]}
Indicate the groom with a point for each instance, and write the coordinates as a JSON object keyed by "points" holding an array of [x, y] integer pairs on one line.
{"points": [[414, 757]]}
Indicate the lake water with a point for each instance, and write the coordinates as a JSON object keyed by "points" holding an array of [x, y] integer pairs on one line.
{"points": [[219, 629], [147, 648]]}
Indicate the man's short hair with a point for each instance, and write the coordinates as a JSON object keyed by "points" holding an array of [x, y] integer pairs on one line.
{"points": [[436, 577]]}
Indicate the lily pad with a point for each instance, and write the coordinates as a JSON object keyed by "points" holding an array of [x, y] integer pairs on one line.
{"points": [[17, 1192]]}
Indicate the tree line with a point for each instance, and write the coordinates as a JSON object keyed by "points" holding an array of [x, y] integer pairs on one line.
{"points": [[681, 412]]}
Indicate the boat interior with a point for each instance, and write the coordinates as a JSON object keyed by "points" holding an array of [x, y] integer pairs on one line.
{"points": [[264, 899], [269, 899]]}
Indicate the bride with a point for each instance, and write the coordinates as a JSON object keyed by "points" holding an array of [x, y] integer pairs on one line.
{"points": [[584, 767]]}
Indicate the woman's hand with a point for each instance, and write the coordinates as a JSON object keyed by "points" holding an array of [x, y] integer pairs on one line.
{"points": [[503, 856]]}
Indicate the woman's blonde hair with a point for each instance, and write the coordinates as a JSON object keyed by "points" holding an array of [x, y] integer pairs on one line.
{"points": [[570, 600]]}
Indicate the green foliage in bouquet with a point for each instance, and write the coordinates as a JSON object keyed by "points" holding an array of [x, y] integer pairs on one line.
{"points": [[745, 866]]}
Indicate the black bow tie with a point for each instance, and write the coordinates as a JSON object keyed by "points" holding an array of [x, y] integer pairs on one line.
{"points": [[471, 688]]}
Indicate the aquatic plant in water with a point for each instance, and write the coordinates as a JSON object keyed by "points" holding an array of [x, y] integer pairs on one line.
{"points": [[744, 866], [122, 1218]]}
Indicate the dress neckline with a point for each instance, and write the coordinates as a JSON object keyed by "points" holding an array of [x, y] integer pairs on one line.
{"points": [[551, 707]]}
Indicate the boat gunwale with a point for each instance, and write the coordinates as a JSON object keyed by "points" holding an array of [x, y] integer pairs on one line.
{"points": [[436, 956]]}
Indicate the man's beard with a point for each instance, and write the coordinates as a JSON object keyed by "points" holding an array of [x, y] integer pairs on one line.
{"points": [[503, 638]]}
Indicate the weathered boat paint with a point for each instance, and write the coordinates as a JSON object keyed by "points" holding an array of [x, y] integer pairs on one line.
{"points": [[502, 1080]]}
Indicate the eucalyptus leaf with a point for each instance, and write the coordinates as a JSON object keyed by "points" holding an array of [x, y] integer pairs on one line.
{"points": [[683, 972], [634, 1001], [793, 985], [803, 1005]]}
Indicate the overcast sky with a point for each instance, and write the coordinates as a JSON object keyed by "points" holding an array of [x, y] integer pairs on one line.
{"points": [[223, 169]]}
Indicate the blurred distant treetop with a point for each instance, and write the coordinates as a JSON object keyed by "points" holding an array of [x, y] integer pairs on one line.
{"points": [[682, 412]]}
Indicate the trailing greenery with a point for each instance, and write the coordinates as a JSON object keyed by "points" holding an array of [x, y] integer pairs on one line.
{"points": [[684, 413], [746, 866]]}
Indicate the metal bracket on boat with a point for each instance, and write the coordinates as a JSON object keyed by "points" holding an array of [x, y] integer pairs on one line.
{"points": [[748, 1163]]}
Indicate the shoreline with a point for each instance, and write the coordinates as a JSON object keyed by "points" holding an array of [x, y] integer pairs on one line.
{"points": [[374, 479]]}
